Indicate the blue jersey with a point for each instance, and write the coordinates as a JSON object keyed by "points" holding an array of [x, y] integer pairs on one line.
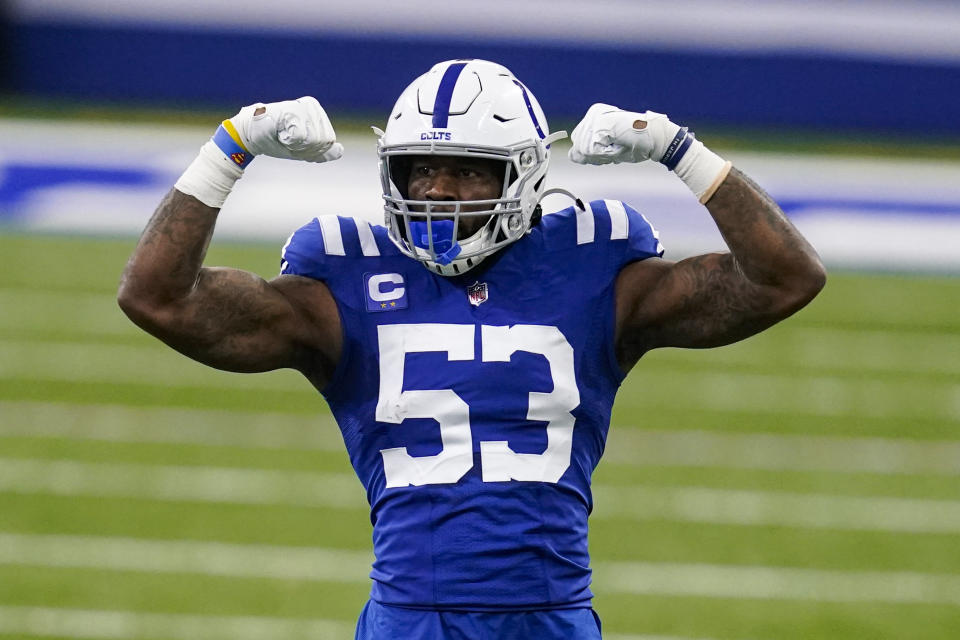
{"points": [[475, 408]]}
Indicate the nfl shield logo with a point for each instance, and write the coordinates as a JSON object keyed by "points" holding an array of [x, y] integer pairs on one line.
{"points": [[477, 293]]}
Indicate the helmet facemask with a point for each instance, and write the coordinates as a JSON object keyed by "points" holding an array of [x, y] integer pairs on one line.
{"points": [[444, 234]]}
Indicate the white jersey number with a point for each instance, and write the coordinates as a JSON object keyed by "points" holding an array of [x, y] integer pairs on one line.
{"points": [[499, 462]]}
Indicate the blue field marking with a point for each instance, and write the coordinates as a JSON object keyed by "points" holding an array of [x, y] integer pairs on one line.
{"points": [[878, 207], [19, 181]]}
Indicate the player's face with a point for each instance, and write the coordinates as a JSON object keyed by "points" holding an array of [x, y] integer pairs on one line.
{"points": [[451, 178]]}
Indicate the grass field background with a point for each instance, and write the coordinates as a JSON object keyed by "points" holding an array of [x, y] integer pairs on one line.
{"points": [[802, 484]]}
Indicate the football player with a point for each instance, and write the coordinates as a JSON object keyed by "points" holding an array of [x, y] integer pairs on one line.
{"points": [[471, 347]]}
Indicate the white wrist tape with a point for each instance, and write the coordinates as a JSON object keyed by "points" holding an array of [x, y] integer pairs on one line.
{"points": [[700, 169], [220, 163]]}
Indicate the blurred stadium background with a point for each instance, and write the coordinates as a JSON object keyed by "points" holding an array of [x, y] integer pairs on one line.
{"points": [[803, 484]]}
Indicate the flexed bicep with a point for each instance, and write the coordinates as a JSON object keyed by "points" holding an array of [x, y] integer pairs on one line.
{"points": [[226, 318], [236, 321], [703, 301], [714, 299]]}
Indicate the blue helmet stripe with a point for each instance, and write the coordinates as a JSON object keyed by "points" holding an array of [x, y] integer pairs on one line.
{"points": [[533, 116], [441, 105]]}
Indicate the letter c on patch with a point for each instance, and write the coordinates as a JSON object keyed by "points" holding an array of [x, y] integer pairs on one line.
{"points": [[385, 287]]}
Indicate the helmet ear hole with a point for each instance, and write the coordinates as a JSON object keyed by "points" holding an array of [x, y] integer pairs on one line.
{"points": [[537, 215]]}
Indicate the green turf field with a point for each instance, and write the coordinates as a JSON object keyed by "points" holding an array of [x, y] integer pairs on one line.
{"points": [[803, 484]]}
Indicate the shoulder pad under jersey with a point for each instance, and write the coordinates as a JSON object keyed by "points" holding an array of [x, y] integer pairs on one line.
{"points": [[318, 246]]}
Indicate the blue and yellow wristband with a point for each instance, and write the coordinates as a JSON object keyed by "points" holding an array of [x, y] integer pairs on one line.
{"points": [[228, 140]]}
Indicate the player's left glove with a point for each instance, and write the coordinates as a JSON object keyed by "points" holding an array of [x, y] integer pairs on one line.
{"points": [[608, 134]]}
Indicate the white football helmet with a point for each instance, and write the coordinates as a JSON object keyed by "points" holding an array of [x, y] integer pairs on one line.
{"points": [[469, 108]]}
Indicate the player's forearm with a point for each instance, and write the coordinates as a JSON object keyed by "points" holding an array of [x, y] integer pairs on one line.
{"points": [[166, 263], [769, 251]]}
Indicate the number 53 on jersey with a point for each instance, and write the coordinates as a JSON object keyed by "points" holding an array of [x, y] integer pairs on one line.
{"points": [[498, 461]]}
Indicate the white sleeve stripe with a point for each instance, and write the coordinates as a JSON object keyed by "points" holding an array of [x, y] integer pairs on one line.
{"points": [[332, 238], [619, 223], [585, 225], [368, 243], [656, 234]]}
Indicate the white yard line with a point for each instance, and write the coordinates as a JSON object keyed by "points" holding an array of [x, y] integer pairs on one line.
{"points": [[175, 556], [342, 490], [778, 583], [648, 447], [95, 314], [776, 508], [803, 394], [114, 363], [825, 349], [128, 625], [324, 565], [209, 427], [188, 484], [782, 452]]}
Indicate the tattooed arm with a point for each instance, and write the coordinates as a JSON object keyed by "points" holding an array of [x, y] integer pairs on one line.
{"points": [[710, 300], [226, 318], [719, 298]]}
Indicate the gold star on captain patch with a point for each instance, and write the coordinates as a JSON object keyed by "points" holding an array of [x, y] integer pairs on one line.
{"points": [[383, 305], [393, 304]]}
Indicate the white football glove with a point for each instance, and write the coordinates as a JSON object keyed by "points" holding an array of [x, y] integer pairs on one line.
{"points": [[608, 134], [293, 129]]}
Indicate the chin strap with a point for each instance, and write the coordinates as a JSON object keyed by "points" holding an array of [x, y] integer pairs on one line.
{"points": [[553, 137], [548, 192]]}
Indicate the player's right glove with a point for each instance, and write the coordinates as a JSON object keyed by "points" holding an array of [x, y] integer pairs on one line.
{"points": [[609, 134], [292, 129]]}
